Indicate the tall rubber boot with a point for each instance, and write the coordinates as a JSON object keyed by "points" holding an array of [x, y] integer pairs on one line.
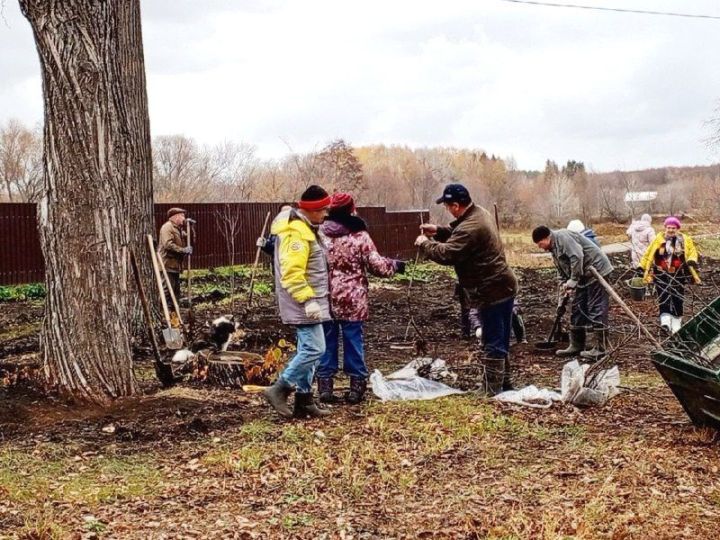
{"points": [[325, 390], [276, 395], [578, 338], [507, 383], [358, 387], [599, 351], [494, 374], [675, 324], [305, 407], [666, 322]]}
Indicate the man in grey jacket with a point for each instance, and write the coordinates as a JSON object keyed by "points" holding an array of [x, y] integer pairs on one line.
{"points": [[573, 255]]}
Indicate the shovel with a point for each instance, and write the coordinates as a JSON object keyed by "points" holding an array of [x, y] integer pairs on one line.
{"points": [[173, 337], [162, 370], [555, 333]]}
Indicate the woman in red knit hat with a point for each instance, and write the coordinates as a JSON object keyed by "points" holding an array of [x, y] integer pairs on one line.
{"points": [[351, 256]]}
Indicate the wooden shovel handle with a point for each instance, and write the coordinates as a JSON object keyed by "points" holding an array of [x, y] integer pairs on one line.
{"points": [[257, 260], [170, 289], [158, 279]]}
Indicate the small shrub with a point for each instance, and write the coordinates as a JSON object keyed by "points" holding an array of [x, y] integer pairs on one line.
{"points": [[19, 293]]}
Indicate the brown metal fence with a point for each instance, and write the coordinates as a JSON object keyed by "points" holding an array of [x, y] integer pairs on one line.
{"points": [[21, 259]]}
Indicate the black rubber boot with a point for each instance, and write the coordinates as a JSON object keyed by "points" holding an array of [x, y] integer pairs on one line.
{"points": [[599, 351], [358, 387], [276, 395], [494, 374], [518, 327], [325, 390], [578, 338], [507, 383], [465, 323], [305, 407]]}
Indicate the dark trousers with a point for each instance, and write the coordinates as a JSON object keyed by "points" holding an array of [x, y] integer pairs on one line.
{"points": [[353, 350], [590, 307], [497, 326], [175, 284], [671, 293]]}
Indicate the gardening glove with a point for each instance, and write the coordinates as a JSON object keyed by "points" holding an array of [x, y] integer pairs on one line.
{"points": [[692, 267], [261, 242], [313, 311], [400, 267], [648, 279], [187, 250], [570, 286], [420, 240]]}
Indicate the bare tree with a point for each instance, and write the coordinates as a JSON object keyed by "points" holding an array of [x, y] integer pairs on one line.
{"points": [[560, 197], [97, 195], [20, 162], [228, 223], [175, 167], [228, 170]]}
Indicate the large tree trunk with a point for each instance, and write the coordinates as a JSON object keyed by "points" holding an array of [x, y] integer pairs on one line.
{"points": [[97, 199]]}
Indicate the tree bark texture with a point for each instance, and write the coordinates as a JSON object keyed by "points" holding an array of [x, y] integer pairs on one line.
{"points": [[97, 199]]}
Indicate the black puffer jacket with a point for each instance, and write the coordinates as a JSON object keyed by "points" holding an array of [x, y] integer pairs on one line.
{"points": [[472, 245]]}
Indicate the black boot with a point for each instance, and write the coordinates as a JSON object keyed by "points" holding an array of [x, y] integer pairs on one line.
{"points": [[507, 383], [358, 387], [578, 337], [494, 374], [325, 390], [599, 351], [305, 406], [276, 395], [465, 323]]}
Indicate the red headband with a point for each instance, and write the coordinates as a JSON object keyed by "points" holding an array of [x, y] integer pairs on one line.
{"points": [[315, 205]]}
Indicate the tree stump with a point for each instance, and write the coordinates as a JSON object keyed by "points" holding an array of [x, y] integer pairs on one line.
{"points": [[229, 368]]}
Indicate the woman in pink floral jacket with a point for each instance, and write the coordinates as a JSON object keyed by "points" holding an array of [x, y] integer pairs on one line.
{"points": [[351, 255]]}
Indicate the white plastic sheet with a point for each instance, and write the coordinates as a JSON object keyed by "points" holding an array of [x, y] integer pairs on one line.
{"points": [[573, 390], [405, 384], [530, 396]]}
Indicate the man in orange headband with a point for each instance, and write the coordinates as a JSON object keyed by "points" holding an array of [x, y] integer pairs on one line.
{"points": [[301, 285]]}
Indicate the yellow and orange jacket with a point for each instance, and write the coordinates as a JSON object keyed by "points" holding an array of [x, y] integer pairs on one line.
{"points": [[688, 255]]}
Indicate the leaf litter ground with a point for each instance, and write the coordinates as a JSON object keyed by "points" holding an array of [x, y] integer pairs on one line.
{"points": [[200, 462]]}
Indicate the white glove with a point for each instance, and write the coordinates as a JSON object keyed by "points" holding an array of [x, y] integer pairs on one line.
{"points": [[570, 285], [478, 332], [313, 311], [420, 240], [260, 242]]}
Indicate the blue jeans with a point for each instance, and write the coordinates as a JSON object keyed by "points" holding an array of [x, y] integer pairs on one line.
{"points": [[353, 349], [310, 348], [497, 325]]}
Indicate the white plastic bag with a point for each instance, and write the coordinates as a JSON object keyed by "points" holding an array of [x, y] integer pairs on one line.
{"points": [[408, 387], [530, 396], [436, 370], [573, 390]]}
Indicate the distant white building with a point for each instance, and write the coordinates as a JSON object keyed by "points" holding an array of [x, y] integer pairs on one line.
{"points": [[640, 196], [639, 201]]}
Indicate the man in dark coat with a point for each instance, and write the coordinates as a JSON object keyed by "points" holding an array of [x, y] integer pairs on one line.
{"points": [[472, 245]]}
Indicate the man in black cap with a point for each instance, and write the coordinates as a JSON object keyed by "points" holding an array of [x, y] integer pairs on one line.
{"points": [[473, 246], [172, 248]]}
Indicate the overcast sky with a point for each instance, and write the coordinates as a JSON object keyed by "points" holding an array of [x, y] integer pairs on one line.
{"points": [[613, 90]]}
